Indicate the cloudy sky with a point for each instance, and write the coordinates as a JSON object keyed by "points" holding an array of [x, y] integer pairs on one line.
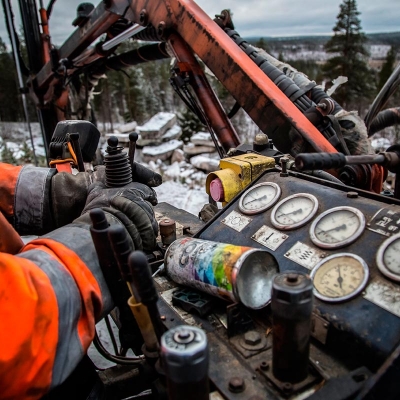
{"points": [[257, 17]]}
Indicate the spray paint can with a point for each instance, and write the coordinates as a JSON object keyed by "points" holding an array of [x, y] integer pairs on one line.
{"points": [[184, 355], [235, 273]]}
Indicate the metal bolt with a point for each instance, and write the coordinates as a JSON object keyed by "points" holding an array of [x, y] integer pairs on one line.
{"points": [[292, 278], [352, 195], [236, 385], [143, 17], [287, 387], [284, 161], [160, 28], [264, 366], [252, 338], [163, 318]]}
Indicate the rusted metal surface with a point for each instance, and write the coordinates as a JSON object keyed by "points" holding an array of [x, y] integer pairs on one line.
{"points": [[210, 103], [270, 109]]}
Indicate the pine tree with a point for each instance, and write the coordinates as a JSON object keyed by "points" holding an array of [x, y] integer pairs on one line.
{"points": [[190, 124], [387, 67], [350, 57]]}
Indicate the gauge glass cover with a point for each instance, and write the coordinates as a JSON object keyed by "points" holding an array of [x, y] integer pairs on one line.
{"points": [[294, 211], [388, 257], [339, 277], [259, 198], [337, 227]]}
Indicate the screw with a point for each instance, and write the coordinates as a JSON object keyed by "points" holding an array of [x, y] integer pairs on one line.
{"points": [[292, 278], [287, 387], [163, 318], [236, 385], [143, 17], [252, 338], [264, 366], [160, 28]]}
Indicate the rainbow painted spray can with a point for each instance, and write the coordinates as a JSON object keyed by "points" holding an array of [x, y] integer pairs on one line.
{"points": [[236, 273]]}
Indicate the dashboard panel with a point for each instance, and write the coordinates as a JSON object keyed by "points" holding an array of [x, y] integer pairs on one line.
{"points": [[348, 242]]}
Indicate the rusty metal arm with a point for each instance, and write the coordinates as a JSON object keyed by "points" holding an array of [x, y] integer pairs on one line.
{"points": [[269, 108]]}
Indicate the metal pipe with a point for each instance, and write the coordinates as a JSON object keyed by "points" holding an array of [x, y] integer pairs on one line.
{"points": [[125, 35], [8, 12]]}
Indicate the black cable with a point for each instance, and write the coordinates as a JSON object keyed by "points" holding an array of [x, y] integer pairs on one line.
{"points": [[115, 359], [50, 8]]}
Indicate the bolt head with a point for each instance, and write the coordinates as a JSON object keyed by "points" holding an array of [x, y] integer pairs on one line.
{"points": [[252, 338], [236, 385]]}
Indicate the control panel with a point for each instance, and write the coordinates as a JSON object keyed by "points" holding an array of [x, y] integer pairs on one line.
{"points": [[347, 241]]}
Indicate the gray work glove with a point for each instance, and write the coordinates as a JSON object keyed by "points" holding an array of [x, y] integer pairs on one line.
{"points": [[69, 193], [131, 206]]}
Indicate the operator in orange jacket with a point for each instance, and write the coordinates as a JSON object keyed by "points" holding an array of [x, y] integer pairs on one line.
{"points": [[52, 292]]}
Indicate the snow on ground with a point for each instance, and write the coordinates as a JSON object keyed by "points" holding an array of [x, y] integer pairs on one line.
{"points": [[180, 196]]}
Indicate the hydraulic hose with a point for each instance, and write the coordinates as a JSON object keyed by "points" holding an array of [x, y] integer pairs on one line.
{"points": [[292, 91], [384, 119]]}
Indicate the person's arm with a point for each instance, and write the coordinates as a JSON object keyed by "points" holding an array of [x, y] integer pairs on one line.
{"points": [[53, 291], [51, 296]]}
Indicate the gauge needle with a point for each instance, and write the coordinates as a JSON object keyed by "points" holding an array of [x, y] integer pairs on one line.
{"points": [[340, 279], [299, 211], [260, 198], [338, 228]]}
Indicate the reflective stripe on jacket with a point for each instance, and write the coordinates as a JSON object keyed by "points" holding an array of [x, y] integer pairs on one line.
{"points": [[51, 294]]}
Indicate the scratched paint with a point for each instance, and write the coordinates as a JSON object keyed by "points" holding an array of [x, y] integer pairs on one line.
{"points": [[209, 266]]}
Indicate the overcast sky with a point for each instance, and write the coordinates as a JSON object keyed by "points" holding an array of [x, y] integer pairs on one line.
{"points": [[256, 17]]}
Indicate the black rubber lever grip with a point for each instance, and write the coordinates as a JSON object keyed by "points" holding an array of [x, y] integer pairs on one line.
{"points": [[144, 288], [122, 247], [310, 161]]}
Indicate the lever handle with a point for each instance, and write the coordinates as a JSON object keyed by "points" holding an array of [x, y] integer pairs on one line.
{"points": [[305, 161]]}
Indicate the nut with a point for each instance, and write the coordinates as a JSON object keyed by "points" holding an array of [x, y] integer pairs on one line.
{"points": [[236, 385], [252, 338]]}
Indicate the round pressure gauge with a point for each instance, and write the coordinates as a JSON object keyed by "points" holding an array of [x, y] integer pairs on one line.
{"points": [[388, 257], [294, 211], [259, 198], [337, 227], [339, 277]]}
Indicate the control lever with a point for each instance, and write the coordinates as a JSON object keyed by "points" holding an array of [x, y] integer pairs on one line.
{"points": [[144, 289], [389, 159], [310, 161], [122, 248], [140, 173], [117, 287]]}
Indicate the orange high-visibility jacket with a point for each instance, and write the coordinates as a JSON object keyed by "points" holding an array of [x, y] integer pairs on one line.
{"points": [[51, 292]]}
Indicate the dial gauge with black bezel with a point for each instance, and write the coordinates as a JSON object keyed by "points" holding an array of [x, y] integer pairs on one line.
{"points": [[388, 257], [339, 277], [294, 211], [337, 227], [259, 198]]}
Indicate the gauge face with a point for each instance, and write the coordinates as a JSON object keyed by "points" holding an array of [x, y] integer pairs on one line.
{"points": [[339, 277], [388, 257], [337, 227], [259, 198], [294, 211]]}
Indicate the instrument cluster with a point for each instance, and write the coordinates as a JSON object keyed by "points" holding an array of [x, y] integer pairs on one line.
{"points": [[347, 241]]}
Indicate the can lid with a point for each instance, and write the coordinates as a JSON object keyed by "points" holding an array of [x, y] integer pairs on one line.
{"points": [[253, 280]]}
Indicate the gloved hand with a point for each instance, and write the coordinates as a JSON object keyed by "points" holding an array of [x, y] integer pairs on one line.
{"points": [[131, 206], [69, 193]]}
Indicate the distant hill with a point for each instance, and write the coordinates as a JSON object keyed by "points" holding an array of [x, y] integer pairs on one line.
{"points": [[388, 38]]}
